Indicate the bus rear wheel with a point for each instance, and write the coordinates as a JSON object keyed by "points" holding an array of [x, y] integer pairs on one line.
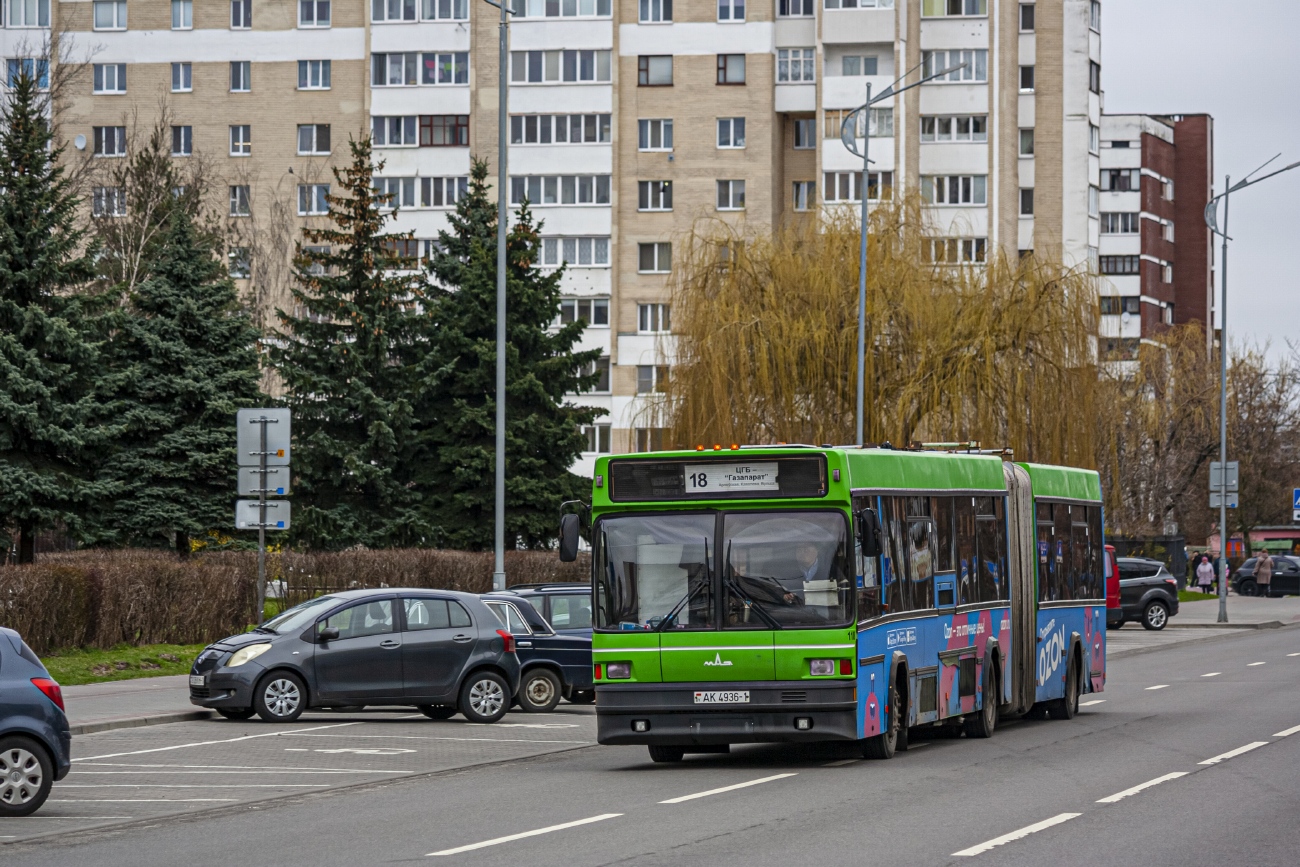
{"points": [[1067, 706], [983, 723], [884, 745]]}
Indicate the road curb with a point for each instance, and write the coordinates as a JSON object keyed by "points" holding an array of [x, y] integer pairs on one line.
{"points": [[137, 722]]}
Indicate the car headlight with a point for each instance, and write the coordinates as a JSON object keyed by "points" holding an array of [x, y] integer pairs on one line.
{"points": [[244, 654]]}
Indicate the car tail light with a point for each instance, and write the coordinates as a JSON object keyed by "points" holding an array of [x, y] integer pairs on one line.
{"points": [[846, 666], [508, 639], [618, 670], [51, 689], [821, 666]]}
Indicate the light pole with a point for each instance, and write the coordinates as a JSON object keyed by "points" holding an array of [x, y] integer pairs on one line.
{"points": [[1212, 222], [503, 214], [848, 136]]}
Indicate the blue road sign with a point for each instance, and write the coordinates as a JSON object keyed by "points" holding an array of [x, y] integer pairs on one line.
{"points": [[1295, 498]]}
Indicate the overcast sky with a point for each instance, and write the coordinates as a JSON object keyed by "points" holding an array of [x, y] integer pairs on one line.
{"points": [[1236, 61]]}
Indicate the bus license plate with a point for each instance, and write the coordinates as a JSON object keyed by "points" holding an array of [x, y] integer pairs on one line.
{"points": [[734, 697]]}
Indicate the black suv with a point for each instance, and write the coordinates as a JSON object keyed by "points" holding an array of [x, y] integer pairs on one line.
{"points": [[1285, 580], [554, 663], [1147, 592]]}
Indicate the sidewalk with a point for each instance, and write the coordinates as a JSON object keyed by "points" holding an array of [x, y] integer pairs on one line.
{"points": [[98, 707], [1243, 611]]}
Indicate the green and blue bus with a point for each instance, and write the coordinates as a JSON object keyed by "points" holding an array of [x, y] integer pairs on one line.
{"points": [[796, 594]]}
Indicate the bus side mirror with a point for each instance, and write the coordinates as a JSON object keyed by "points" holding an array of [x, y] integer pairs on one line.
{"points": [[568, 538], [869, 533]]}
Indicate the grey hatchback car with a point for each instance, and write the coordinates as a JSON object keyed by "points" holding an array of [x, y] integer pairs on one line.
{"points": [[440, 651], [35, 743]]}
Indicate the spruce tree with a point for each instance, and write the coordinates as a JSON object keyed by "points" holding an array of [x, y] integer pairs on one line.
{"points": [[542, 429], [183, 358], [348, 356], [48, 351]]}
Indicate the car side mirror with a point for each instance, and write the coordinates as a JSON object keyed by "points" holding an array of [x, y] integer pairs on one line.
{"points": [[869, 532], [568, 538], [329, 633]]}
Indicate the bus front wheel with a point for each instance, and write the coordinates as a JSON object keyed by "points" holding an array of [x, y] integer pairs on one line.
{"points": [[660, 753], [883, 745]]}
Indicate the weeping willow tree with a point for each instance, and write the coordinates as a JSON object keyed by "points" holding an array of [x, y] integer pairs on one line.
{"points": [[765, 342]]}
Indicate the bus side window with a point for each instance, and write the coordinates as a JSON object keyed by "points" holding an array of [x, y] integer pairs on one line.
{"points": [[941, 511], [965, 566], [1046, 555], [1065, 571], [895, 527], [869, 590]]}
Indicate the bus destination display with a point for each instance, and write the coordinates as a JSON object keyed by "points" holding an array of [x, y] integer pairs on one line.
{"points": [[704, 478], [643, 479]]}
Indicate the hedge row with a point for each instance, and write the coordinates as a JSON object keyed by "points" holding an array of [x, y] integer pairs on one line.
{"points": [[99, 599]]}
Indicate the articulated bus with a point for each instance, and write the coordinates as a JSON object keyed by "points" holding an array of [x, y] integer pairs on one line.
{"points": [[796, 594]]}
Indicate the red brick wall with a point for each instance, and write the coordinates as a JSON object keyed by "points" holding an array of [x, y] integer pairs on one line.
{"points": [[1193, 182]]}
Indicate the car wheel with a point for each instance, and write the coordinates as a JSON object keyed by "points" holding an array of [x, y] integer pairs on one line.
{"points": [[435, 711], [1119, 624], [582, 696], [539, 692], [1156, 616], [236, 713], [280, 697], [666, 754], [1247, 588], [26, 774], [484, 697], [1068, 706]]}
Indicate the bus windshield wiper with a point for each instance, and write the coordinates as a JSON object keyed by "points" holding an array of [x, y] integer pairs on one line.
{"points": [[672, 615], [751, 604]]}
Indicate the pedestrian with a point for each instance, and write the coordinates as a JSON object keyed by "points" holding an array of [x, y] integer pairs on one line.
{"points": [[1263, 572], [1204, 573]]}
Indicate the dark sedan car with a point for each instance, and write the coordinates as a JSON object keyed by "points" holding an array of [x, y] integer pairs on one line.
{"points": [[554, 663], [35, 743], [1147, 592], [1285, 580], [438, 650]]}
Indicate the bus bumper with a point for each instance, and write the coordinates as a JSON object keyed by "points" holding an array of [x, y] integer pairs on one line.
{"points": [[777, 712]]}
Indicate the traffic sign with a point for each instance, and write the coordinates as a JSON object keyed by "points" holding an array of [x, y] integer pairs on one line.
{"points": [[1216, 477], [249, 437], [1295, 516], [1216, 499], [248, 515], [1295, 498], [277, 481]]}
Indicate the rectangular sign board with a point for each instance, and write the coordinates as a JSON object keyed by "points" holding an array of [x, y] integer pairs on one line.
{"points": [[702, 479], [1216, 498], [249, 436], [277, 481], [1295, 498], [1216, 476], [248, 514]]}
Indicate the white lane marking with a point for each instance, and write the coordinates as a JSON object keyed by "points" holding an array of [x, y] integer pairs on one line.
{"points": [[1212, 674], [744, 785], [1016, 835], [525, 725], [210, 743], [1119, 796], [139, 800], [1293, 654], [1253, 664], [427, 738], [240, 768], [300, 749], [1233, 753], [368, 751], [192, 785], [1287, 732], [1158, 686], [81, 773], [1091, 703], [512, 837]]}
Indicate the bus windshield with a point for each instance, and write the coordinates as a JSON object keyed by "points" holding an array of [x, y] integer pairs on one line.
{"points": [[751, 570]]}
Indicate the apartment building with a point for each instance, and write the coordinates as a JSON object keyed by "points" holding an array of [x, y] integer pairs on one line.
{"points": [[1156, 253], [630, 120]]}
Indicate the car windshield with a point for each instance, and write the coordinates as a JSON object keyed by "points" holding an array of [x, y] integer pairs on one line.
{"points": [[300, 616]]}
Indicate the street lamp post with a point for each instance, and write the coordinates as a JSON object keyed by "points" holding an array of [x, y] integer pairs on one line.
{"points": [[848, 136], [1212, 222]]}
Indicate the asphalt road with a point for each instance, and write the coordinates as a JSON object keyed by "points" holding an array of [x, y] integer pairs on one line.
{"points": [[1190, 757]]}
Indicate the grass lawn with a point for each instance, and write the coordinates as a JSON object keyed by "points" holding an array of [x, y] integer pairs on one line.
{"points": [[1193, 596], [74, 667]]}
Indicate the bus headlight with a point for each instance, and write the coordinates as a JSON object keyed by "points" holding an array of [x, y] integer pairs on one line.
{"points": [[821, 666]]}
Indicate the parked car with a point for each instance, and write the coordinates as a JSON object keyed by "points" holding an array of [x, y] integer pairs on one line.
{"points": [[565, 605], [1147, 592], [35, 742], [554, 663], [438, 650], [1284, 582], [1114, 613]]}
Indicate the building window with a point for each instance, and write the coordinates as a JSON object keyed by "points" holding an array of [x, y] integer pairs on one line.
{"points": [[953, 128], [556, 9], [656, 11], [239, 201], [599, 367], [795, 8], [804, 195], [1094, 16], [955, 189], [652, 318], [110, 77], [1094, 76], [731, 195], [795, 65], [313, 75], [654, 134], [1026, 142], [110, 14], [444, 130], [1119, 348], [597, 435], [805, 133], [731, 69], [1120, 265], [241, 140], [957, 251], [108, 202], [1026, 202], [110, 141], [393, 131], [313, 138], [442, 192], [1121, 180], [571, 66], [656, 258], [563, 129], [241, 76], [881, 122], [593, 311], [731, 132], [1167, 190], [182, 141], [311, 199], [651, 378], [182, 78], [975, 68], [1119, 223], [560, 189], [446, 68], [395, 70], [650, 439], [859, 64], [1167, 232], [241, 14], [240, 263], [841, 187], [731, 10], [34, 13], [458, 10], [654, 195], [1026, 17], [1167, 272], [313, 13], [182, 14], [859, 4], [577, 253], [392, 10], [946, 8], [1026, 79], [1094, 201], [30, 67], [391, 192]]}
